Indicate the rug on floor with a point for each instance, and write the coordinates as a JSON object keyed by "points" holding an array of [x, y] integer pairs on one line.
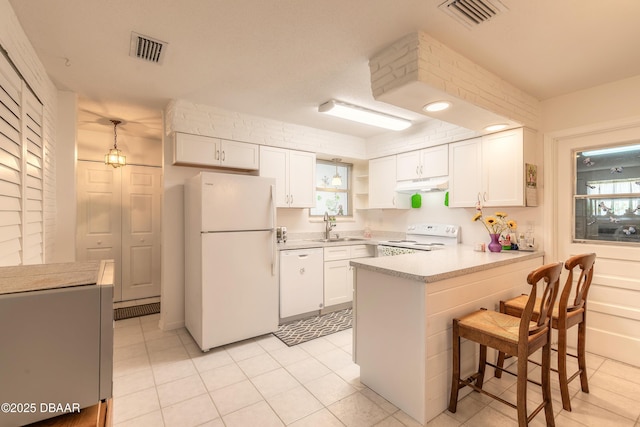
{"points": [[304, 330], [136, 311]]}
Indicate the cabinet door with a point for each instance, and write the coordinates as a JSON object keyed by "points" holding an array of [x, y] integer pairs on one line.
{"points": [[435, 162], [503, 169], [196, 150], [239, 155], [382, 184], [465, 177], [338, 282], [302, 179], [408, 165], [273, 164]]}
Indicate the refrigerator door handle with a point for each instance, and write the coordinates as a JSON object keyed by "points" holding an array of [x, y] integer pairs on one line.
{"points": [[273, 231]]}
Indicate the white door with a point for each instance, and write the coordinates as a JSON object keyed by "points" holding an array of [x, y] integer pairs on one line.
{"points": [[141, 189], [302, 179], [119, 218], [465, 173], [382, 182], [503, 168], [237, 202], [338, 282], [241, 155], [613, 323], [408, 165], [99, 216], [274, 164], [239, 286]]}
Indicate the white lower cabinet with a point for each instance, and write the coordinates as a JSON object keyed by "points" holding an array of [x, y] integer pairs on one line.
{"points": [[301, 281], [338, 274]]}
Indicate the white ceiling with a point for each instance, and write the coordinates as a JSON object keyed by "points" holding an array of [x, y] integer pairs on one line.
{"points": [[280, 59]]}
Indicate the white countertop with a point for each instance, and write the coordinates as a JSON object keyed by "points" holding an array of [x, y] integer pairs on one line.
{"points": [[441, 264], [306, 244]]}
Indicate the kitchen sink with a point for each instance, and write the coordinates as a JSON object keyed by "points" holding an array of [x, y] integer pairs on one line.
{"points": [[339, 239]]}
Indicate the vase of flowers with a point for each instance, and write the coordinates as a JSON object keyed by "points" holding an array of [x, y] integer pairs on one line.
{"points": [[495, 225]]}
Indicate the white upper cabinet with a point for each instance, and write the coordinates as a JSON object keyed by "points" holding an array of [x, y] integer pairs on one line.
{"points": [[294, 172], [490, 169], [465, 179], [382, 185], [427, 163], [198, 150]]}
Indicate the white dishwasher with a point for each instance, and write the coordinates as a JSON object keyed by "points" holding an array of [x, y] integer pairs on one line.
{"points": [[301, 281]]}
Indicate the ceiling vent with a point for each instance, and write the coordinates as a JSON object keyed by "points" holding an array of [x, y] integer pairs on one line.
{"points": [[472, 13], [147, 48]]}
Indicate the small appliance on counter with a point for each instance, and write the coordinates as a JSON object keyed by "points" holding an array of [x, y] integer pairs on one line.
{"points": [[281, 234]]}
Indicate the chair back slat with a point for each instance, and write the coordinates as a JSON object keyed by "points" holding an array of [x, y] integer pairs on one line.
{"points": [[585, 262], [550, 275]]}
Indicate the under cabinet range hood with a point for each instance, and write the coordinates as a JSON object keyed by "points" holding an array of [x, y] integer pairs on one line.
{"points": [[439, 183]]}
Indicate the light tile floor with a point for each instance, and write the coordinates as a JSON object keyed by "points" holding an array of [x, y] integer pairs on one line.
{"points": [[162, 378]]}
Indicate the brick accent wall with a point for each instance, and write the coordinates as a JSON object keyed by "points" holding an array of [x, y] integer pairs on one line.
{"points": [[185, 116], [420, 57]]}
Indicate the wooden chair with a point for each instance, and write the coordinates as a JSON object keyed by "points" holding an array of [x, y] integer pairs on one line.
{"points": [[564, 316], [515, 336]]}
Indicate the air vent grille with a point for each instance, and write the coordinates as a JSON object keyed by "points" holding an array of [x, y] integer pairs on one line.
{"points": [[147, 48], [473, 12]]}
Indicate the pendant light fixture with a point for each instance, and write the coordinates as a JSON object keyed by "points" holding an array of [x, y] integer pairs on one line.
{"points": [[114, 157], [337, 179]]}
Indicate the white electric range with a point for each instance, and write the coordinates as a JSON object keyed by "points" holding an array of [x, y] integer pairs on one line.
{"points": [[421, 237]]}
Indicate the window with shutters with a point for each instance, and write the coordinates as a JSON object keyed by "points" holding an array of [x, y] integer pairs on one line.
{"points": [[21, 175]]}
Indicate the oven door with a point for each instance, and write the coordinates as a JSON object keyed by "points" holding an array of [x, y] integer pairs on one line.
{"points": [[383, 250]]}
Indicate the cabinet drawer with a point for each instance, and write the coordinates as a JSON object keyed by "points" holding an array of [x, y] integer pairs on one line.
{"points": [[362, 251], [337, 252]]}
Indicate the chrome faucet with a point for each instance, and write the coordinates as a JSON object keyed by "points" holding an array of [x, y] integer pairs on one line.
{"points": [[329, 224]]}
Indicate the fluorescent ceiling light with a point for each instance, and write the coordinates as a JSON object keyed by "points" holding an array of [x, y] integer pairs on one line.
{"points": [[363, 115], [432, 107], [611, 150], [496, 127]]}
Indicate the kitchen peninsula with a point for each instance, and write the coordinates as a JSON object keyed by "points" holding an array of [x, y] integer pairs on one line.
{"points": [[404, 306]]}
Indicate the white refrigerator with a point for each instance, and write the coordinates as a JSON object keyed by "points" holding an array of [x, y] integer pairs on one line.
{"points": [[231, 282]]}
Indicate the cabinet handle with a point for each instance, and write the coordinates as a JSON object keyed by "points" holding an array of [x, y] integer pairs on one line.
{"points": [[418, 170], [393, 201], [291, 199], [286, 199], [223, 156], [217, 154], [302, 270]]}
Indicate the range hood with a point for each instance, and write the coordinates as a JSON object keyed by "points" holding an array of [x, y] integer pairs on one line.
{"points": [[439, 183]]}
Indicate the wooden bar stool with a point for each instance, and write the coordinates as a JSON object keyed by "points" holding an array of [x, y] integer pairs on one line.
{"points": [[565, 315], [519, 337]]}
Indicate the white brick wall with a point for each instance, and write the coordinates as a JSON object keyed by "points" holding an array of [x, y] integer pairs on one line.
{"points": [[15, 42], [420, 57], [185, 116], [433, 132]]}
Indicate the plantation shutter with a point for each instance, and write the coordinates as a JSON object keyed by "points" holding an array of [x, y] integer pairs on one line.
{"points": [[21, 171], [11, 160], [33, 211]]}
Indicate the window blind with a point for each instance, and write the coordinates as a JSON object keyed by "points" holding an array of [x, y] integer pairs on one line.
{"points": [[21, 175]]}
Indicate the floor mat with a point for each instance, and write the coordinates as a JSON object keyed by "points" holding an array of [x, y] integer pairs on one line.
{"points": [[300, 331], [136, 311]]}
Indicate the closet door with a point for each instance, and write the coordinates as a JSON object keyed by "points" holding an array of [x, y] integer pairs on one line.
{"points": [[99, 216], [141, 189]]}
